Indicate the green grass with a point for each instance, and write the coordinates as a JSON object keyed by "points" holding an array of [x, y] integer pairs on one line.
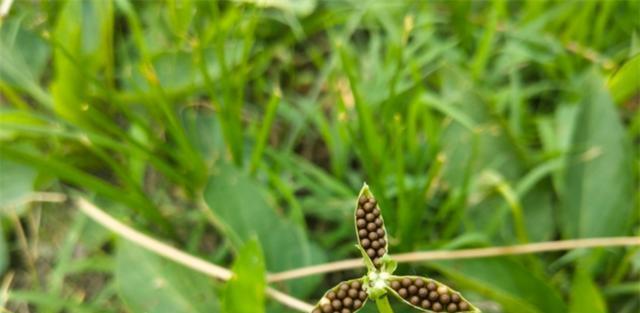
{"points": [[476, 124]]}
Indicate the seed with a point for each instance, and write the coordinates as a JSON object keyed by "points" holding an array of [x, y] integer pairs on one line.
{"points": [[336, 304], [431, 286], [368, 207], [363, 200], [357, 303], [342, 294], [373, 201], [375, 245], [423, 292], [419, 282], [327, 308], [378, 221], [355, 284], [362, 295], [344, 286], [373, 236], [463, 306], [353, 293], [414, 300], [425, 304], [345, 310], [395, 285], [443, 289], [363, 233], [331, 295], [361, 223], [437, 307], [382, 242], [455, 298], [380, 232], [376, 211], [406, 282], [412, 289], [402, 292], [444, 299], [371, 227], [371, 252], [381, 251], [316, 311], [452, 307], [370, 217], [366, 243], [433, 296], [347, 302], [360, 213]]}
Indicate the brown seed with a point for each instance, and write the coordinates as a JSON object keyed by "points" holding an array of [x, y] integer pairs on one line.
{"points": [[353, 293], [412, 289], [376, 212], [316, 311], [362, 295], [433, 296], [371, 227], [375, 245], [363, 233], [347, 302], [425, 304], [443, 290], [368, 207], [431, 286], [363, 200], [455, 298], [414, 300], [419, 282], [327, 308], [373, 236], [361, 223], [360, 213], [336, 304], [406, 282], [437, 307], [341, 294], [369, 217], [331, 295], [345, 310], [382, 242], [423, 292], [357, 303], [452, 307], [371, 252], [344, 286], [380, 232], [366, 243], [403, 292], [445, 299], [355, 284], [378, 221], [381, 251], [463, 306], [395, 285], [373, 201]]}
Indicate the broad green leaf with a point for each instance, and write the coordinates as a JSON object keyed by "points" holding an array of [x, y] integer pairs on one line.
{"points": [[147, 283], [513, 285], [16, 182], [625, 83], [599, 185], [245, 291], [585, 296], [242, 211]]}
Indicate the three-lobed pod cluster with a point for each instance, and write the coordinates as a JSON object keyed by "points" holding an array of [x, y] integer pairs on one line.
{"points": [[372, 235], [428, 294], [347, 297]]}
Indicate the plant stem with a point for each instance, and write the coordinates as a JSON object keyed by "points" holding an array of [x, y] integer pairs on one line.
{"points": [[383, 305]]}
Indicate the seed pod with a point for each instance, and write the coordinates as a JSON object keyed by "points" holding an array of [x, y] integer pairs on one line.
{"points": [[370, 230], [345, 297], [428, 295]]}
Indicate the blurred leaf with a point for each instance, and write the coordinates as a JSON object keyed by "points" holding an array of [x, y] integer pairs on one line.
{"points": [[585, 295], [299, 7], [245, 291], [599, 180], [149, 283], [16, 182], [507, 282], [4, 252], [243, 213], [625, 83]]}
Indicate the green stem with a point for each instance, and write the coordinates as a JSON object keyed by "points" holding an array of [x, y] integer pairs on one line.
{"points": [[383, 305]]}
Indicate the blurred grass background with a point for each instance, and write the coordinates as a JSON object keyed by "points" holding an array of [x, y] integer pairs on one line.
{"points": [[207, 124]]}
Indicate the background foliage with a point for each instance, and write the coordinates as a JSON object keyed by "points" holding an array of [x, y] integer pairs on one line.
{"points": [[242, 132]]}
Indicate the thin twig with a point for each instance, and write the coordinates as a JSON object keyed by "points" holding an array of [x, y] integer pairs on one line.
{"points": [[176, 255], [462, 254]]}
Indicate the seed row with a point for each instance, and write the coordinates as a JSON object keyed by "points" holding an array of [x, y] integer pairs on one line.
{"points": [[371, 233], [347, 297], [429, 295]]}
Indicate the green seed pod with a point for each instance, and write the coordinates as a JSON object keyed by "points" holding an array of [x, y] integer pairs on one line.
{"points": [[428, 295], [348, 297], [370, 230]]}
